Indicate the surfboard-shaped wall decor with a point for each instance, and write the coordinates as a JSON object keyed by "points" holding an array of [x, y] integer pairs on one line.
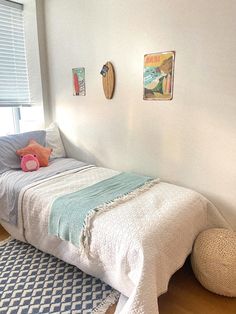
{"points": [[108, 80]]}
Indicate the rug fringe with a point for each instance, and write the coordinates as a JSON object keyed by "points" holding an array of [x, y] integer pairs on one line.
{"points": [[5, 241], [106, 303]]}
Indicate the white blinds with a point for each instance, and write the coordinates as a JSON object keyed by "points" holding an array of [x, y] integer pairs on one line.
{"points": [[14, 84]]}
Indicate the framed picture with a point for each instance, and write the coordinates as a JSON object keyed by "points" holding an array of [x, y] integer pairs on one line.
{"points": [[158, 76], [79, 82]]}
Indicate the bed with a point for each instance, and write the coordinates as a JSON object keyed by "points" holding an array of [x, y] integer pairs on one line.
{"points": [[135, 245]]}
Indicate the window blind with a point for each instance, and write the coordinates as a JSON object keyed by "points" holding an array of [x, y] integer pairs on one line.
{"points": [[14, 84]]}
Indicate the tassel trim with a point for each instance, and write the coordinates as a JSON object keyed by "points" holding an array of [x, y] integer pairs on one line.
{"points": [[86, 231], [111, 299]]}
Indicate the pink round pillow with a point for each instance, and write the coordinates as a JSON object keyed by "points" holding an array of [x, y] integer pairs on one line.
{"points": [[29, 162]]}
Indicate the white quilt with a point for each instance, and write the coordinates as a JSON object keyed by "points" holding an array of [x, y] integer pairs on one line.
{"points": [[136, 246]]}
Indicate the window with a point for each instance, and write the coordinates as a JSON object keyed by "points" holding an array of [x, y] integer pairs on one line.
{"points": [[7, 123], [14, 84]]}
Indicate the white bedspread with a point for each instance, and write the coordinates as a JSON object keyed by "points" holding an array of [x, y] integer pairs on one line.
{"points": [[136, 247]]}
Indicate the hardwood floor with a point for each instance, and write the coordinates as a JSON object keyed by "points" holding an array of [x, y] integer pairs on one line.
{"points": [[111, 309], [185, 295], [3, 234]]}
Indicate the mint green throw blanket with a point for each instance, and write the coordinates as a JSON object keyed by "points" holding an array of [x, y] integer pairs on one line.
{"points": [[69, 212]]}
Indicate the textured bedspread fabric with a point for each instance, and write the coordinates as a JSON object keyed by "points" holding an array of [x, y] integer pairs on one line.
{"points": [[12, 182], [136, 246]]}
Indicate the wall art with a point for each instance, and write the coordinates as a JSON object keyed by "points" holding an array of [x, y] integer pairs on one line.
{"points": [[79, 81], [158, 76], [108, 79]]}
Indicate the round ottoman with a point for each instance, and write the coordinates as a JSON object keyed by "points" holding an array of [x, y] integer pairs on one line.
{"points": [[214, 260]]}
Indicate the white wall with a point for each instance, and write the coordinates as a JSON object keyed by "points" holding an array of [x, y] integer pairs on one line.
{"points": [[190, 140]]}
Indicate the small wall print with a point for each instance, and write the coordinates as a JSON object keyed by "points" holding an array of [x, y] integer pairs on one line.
{"points": [[158, 76], [79, 81]]}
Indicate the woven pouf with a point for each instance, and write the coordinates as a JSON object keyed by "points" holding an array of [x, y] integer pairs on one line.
{"points": [[214, 261]]}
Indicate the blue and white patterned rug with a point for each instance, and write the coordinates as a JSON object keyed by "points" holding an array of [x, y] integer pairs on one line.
{"points": [[35, 282]]}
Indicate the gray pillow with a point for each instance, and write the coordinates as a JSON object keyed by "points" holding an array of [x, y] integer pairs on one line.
{"points": [[11, 143]]}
